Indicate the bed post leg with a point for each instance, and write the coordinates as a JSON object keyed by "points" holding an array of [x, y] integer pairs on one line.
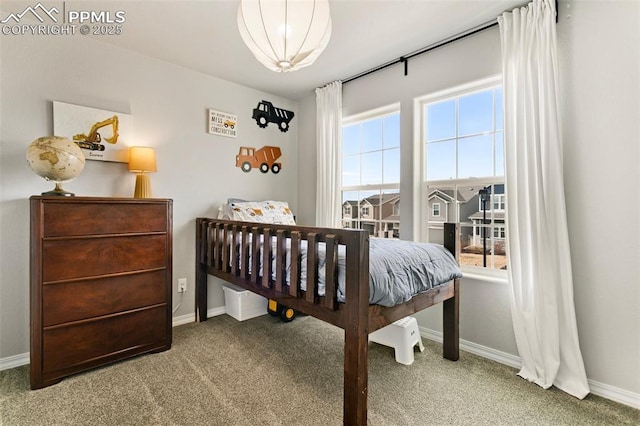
{"points": [[356, 332], [356, 378], [451, 307], [201, 272], [450, 324]]}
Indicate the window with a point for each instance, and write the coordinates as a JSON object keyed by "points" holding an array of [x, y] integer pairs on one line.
{"points": [[435, 212], [463, 165], [371, 171]]}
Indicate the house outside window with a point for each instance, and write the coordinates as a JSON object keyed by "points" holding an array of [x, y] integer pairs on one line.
{"points": [[371, 171], [463, 157], [435, 210]]}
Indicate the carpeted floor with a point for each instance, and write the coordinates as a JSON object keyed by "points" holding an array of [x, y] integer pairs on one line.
{"points": [[266, 372]]}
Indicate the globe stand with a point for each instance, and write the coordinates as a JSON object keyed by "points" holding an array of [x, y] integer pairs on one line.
{"points": [[58, 191]]}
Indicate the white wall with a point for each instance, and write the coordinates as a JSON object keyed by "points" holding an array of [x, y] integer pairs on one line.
{"points": [[169, 107], [598, 47]]}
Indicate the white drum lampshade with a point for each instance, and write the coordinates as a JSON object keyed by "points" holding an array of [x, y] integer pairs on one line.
{"points": [[285, 35]]}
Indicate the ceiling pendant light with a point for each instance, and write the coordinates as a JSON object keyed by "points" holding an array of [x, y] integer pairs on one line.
{"points": [[285, 35]]}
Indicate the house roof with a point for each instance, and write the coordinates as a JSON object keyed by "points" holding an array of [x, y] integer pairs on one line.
{"points": [[379, 199]]}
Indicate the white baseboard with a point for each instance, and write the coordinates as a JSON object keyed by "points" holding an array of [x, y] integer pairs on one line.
{"points": [[615, 394], [186, 319], [14, 361], [606, 391]]}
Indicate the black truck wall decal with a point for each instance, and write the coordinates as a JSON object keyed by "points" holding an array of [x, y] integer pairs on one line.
{"points": [[266, 113]]}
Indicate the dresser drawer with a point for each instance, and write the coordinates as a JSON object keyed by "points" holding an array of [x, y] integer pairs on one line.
{"points": [[74, 344], [82, 257], [77, 300], [69, 218]]}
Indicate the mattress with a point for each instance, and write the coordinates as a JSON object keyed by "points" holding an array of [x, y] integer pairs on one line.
{"points": [[398, 269]]}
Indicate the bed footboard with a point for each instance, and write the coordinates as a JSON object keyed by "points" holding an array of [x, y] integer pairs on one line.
{"points": [[236, 253]]}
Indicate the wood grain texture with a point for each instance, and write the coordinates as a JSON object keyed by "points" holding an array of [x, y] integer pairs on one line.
{"points": [[101, 274]]}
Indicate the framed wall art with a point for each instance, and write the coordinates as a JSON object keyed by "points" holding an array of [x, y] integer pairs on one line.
{"points": [[222, 123], [102, 135]]}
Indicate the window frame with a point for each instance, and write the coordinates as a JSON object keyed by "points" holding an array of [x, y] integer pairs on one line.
{"points": [[421, 199], [383, 188]]}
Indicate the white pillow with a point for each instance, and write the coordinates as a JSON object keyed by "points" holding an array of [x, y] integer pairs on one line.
{"points": [[276, 212]]}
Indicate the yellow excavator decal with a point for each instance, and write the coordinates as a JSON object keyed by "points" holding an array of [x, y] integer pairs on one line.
{"points": [[92, 141]]}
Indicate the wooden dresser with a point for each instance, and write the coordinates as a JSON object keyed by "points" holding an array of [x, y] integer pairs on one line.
{"points": [[100, 282]]}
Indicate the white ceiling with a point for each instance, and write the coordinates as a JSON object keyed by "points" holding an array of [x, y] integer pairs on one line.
{"points": [[203, 36]]}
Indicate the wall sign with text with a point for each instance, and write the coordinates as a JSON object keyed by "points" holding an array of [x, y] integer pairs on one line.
{"points": [[222, 123]]}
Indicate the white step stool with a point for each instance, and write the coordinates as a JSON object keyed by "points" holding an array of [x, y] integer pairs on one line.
{"points": [[401, 335]]}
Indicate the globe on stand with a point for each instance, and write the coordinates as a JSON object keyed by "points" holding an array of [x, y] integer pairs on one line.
{"points": [[56, 159]]}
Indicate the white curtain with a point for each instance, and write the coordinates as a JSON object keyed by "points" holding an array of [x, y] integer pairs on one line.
{"points": [[329, 142], [538, 245]]}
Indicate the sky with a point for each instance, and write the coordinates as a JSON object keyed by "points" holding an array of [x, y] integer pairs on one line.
{"points": [[371, 148]]}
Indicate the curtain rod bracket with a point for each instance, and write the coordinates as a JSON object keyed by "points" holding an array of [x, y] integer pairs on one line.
{"points": [[405, 61]]}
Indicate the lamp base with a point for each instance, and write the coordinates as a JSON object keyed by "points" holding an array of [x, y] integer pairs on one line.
{"points": [[58, 191], [143, 186]]}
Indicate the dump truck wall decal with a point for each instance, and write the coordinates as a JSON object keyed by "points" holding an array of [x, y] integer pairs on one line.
{"points": [[266, 113], [263, 158]]}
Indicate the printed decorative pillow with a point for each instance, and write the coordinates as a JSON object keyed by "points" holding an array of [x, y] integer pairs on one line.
{"points": [[276, 212]]}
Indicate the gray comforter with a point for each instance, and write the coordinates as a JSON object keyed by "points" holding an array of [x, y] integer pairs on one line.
{"points": [[397, 269]]}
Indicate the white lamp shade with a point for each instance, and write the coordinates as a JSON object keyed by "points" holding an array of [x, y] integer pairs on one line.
{"points": [[285, 35], [142, 159]]}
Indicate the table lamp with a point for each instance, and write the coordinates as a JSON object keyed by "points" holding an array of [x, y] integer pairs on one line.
{"points": [[142, 159]]}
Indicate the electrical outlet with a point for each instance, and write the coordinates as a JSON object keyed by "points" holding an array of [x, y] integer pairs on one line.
{"points": [[182, 285]]}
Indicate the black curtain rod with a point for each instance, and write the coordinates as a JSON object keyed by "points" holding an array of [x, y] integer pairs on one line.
{"points": [[405, 59]]}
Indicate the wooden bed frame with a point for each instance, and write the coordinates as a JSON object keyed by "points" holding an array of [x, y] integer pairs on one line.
{"points": [[216, 237]]}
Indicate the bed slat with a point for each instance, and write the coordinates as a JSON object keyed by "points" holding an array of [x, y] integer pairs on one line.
{"points": [[255, 252], [312, 266], [294, 278], [281, 261], [331, 273], [267, 266], [225, 248], [244, 250], [234, 250]]}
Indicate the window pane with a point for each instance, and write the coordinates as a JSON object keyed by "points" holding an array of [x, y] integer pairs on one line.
{"points": [[371, 168], [499, 114], [372, 135], [467, 159], [499, 154], [476, 113], [391, 131], [389, 208], [445, 197], [351, 139], [441, 120], [350, 209], [475, 156], [391, 166], [441, 160], [373, 147], [351, 170]]}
